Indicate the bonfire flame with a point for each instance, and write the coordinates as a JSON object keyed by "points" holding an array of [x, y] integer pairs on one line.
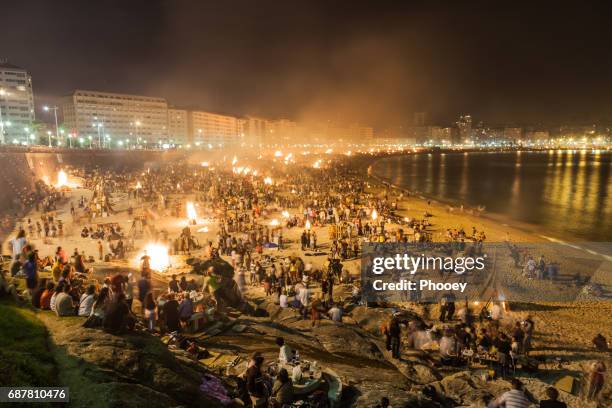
{"points": [[374, 214], [158, 253], [62, 180], [192, 214]]}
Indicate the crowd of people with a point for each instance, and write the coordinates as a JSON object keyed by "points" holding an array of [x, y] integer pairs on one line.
{"points": [[243, 207]]}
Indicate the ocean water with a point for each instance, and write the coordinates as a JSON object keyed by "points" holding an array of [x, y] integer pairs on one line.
{"points": [[565, 192]]}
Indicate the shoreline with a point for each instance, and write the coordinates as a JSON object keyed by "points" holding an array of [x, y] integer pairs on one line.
{"points": [[538, 231]]}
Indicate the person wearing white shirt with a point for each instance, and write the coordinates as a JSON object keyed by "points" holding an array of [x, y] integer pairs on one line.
{"points": [[335, 313], [86, 302], [283, 300], [496, 312], [52, 303], [17, 244], [305, 296], [285, 354]]}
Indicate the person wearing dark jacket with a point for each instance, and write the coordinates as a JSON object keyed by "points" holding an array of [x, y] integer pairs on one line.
{"points": [[173, 285], [395, 332], [31, 272], [118, 317], [171, 314], [551, 402], [256, 384], [282, 389], [503, 353]]}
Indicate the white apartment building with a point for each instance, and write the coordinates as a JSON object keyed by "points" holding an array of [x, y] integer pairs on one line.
{"points": [[111, 119], [281, 131], [214, 129], [178, 126], [256, 130], [16, 104]]}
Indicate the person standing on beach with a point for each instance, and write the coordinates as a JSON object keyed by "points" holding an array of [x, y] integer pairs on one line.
{"points": [[16, 245]]}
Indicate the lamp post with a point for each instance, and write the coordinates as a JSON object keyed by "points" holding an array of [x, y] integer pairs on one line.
{"points": [[137, 125], [98, 127], [54, 108], [2, 93]]}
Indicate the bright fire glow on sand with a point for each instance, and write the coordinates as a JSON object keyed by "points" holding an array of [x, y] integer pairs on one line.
{"points": [[192, 214], [62, 180], [160, 259]]}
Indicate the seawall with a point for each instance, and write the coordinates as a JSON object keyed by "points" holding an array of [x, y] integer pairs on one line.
{"points": [[20, 168]]}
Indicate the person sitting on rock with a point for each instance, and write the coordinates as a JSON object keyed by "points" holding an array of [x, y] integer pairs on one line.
{"points": [[552, 401], [285, 354], [384, 403], [86, 301], [515, 398], [64, 306], [600, 342], [173, 285], [282, 390], [448, 348], [335, 313], [185, 309], [45, 298], [171, 314], [118, 317]]}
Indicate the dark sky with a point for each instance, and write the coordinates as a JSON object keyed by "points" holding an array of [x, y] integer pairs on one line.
{"points": [[370, 61]]}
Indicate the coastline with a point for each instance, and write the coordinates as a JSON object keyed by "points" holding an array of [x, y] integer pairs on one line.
{"points": [[539, 233]]}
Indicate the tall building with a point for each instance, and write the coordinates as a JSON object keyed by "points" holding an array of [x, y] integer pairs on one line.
{"points": [[111, 119], [281, 131], [464, 125], [256, 130], [513, 134], [16, 104], [441, 135], [214, 129], [178, 127]]}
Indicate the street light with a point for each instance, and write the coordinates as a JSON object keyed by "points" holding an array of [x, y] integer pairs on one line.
{"points": [[2, 123], [54, 108], [98, 126]]}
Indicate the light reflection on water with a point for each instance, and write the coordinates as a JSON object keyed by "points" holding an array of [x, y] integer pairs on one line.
{"points": [[563, 191]]}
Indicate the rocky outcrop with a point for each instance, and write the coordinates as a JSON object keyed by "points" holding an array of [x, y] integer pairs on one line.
{"points": [[105, 370]]}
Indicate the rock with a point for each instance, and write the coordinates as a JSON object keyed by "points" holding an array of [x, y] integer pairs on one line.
{"points": [[462, 388], [425, 374], [339, 339], [106, 370]]}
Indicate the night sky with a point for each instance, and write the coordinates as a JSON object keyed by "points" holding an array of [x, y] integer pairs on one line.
{"points": [[374, 62]]}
